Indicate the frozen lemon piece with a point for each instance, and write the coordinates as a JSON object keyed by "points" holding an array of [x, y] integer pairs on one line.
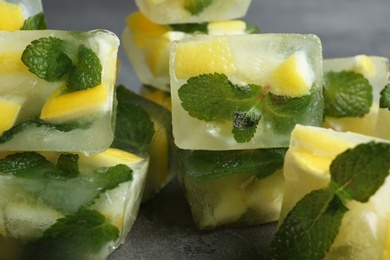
{"points": [[11, 16], [61, 197], [60, 107], [386, 247], [9, 113], [225, 89], [84, 69], [363, 229], [374, 69], [226, 27], [194, 58], [179, 11], [293, 77]]}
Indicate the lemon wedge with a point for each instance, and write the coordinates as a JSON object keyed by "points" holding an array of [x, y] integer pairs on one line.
{"points": [[63, 107], [202, 57], [226, 27], [293, 77], [9, 113], [11, 16]]}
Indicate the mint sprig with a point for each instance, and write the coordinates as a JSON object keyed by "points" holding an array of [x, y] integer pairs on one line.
{"points": [[36, 22], [384, 101], [75, 236], [214, 98], [346, 94], [310, 228], [195, 7], [50, 59]]}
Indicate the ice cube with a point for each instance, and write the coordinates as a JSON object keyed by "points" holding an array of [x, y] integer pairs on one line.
{"points": [[61, 105], [306, 168], [232, 188], [376, 70], [21, 15], [142, 125], [178, 11], [147, 44], [55, 202], [244, 91]]}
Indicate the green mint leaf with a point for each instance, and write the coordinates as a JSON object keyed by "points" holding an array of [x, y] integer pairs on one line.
{"points": [[45, 57], [87, 72], [384, 101], [212, 97], [27, 165], [251, 28], [36, 22], [134, 126], [68, 164], [245, 125], [32, 123], [359, 172], [75, 236], [283, 112], [346, 94], [203, 164], [190, 27], [195, 7], [310, 228], [114, 175]]}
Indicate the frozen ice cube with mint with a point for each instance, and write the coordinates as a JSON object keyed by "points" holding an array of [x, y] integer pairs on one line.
{"points": [[68, 205], [57, 90], [193, 11], [244, 91]]}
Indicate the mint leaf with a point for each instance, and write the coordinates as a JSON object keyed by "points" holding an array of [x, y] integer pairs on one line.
{"points": [[251, 28], [245, 125], [190, 27], [68, 164], [346, 94], [114, 175], [212, 97], [203, 164], [45, 57], [75, 236], [283, 112], [32, 123], [359, 172], [87, 72], [384, 101], [195, 7], [36, 22], [310, 228], [134, 126]]}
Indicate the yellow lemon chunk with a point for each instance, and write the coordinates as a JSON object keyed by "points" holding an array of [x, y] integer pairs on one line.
{"points": [[10, 62], [386, 247], [202, 57], [63, 107], [226, 27], [364, 65], [9, 113], [158, 96], [11, 16], [293, 77]]}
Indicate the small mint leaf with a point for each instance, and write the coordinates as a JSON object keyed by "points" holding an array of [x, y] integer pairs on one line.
{"points": [[68, 164], [245, 125], [74, 236], [45, 57], [346, 94], [190, 27], [384, 101], [36, 22], [87, 72], [203, 164], [195, 7], [27, 165], [310, 228], [359, 172], [252, 28]]}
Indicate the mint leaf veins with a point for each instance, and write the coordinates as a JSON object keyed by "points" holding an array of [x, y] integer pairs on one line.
{"points": [[36, 22], [346, 94], [310, 228], [384, 101]]}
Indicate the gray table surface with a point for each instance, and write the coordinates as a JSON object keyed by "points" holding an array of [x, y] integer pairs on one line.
{"points": [[164, 228]]}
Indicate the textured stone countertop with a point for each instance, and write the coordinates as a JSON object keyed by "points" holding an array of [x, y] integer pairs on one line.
{"points": [[164, 228]]}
